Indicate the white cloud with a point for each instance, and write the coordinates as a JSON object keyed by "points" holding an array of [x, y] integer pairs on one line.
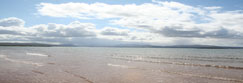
{"points": [[86, 34], [74, 29], [127, 35], [11, 31], [109, 31], [11, 21], [182, 20], [213, 8], [52, 33], [14, 26]]}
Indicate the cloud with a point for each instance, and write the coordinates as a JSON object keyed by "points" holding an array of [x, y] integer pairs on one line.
{"points": [[86, 34], [179, 31], [75, 33], [11, 21], [213, 8], [74, 29], [15, 26], [171, 19], [83, 10], [58, 33], [159, 22], [114, 31], [9, 31]]}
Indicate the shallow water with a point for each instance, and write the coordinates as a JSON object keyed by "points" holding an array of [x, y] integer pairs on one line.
{"points": [[119, 65]]}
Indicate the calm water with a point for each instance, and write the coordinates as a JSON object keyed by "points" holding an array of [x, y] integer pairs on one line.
{"points": [[119, 65]]}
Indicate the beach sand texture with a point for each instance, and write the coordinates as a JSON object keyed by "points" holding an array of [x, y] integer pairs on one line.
{"points": [[119, 65]]}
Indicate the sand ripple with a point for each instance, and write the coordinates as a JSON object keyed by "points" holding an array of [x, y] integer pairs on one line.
{"points": [[181, 73], [20, 61], [79, 76]]}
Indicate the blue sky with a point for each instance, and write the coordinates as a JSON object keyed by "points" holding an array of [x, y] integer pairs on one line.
{"points": [[199, 20]]}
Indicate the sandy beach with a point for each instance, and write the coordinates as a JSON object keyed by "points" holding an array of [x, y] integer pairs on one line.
{"points": [[114, 65]]}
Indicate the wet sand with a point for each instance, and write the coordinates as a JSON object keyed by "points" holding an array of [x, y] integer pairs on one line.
{"points": [[38, 65]]}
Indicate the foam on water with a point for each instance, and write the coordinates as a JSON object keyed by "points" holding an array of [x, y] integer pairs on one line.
{"points": [[20, 61], [191, 58], [115, 65], [37, 54], [180, 73], [231, 58], [181, 63]]}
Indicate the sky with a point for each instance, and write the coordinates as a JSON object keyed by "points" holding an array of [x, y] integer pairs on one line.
{"points": [[121, 22]]}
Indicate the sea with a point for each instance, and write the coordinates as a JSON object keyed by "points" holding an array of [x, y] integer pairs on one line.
{"points": [[119, 65]]}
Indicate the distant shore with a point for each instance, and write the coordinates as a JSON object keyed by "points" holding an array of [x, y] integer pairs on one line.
{"points": [[120, 46]]}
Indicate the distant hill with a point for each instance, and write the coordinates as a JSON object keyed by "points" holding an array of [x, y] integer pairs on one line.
{"points": [[200, 47], [27, 44], [123, 45], [182, 46]]}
